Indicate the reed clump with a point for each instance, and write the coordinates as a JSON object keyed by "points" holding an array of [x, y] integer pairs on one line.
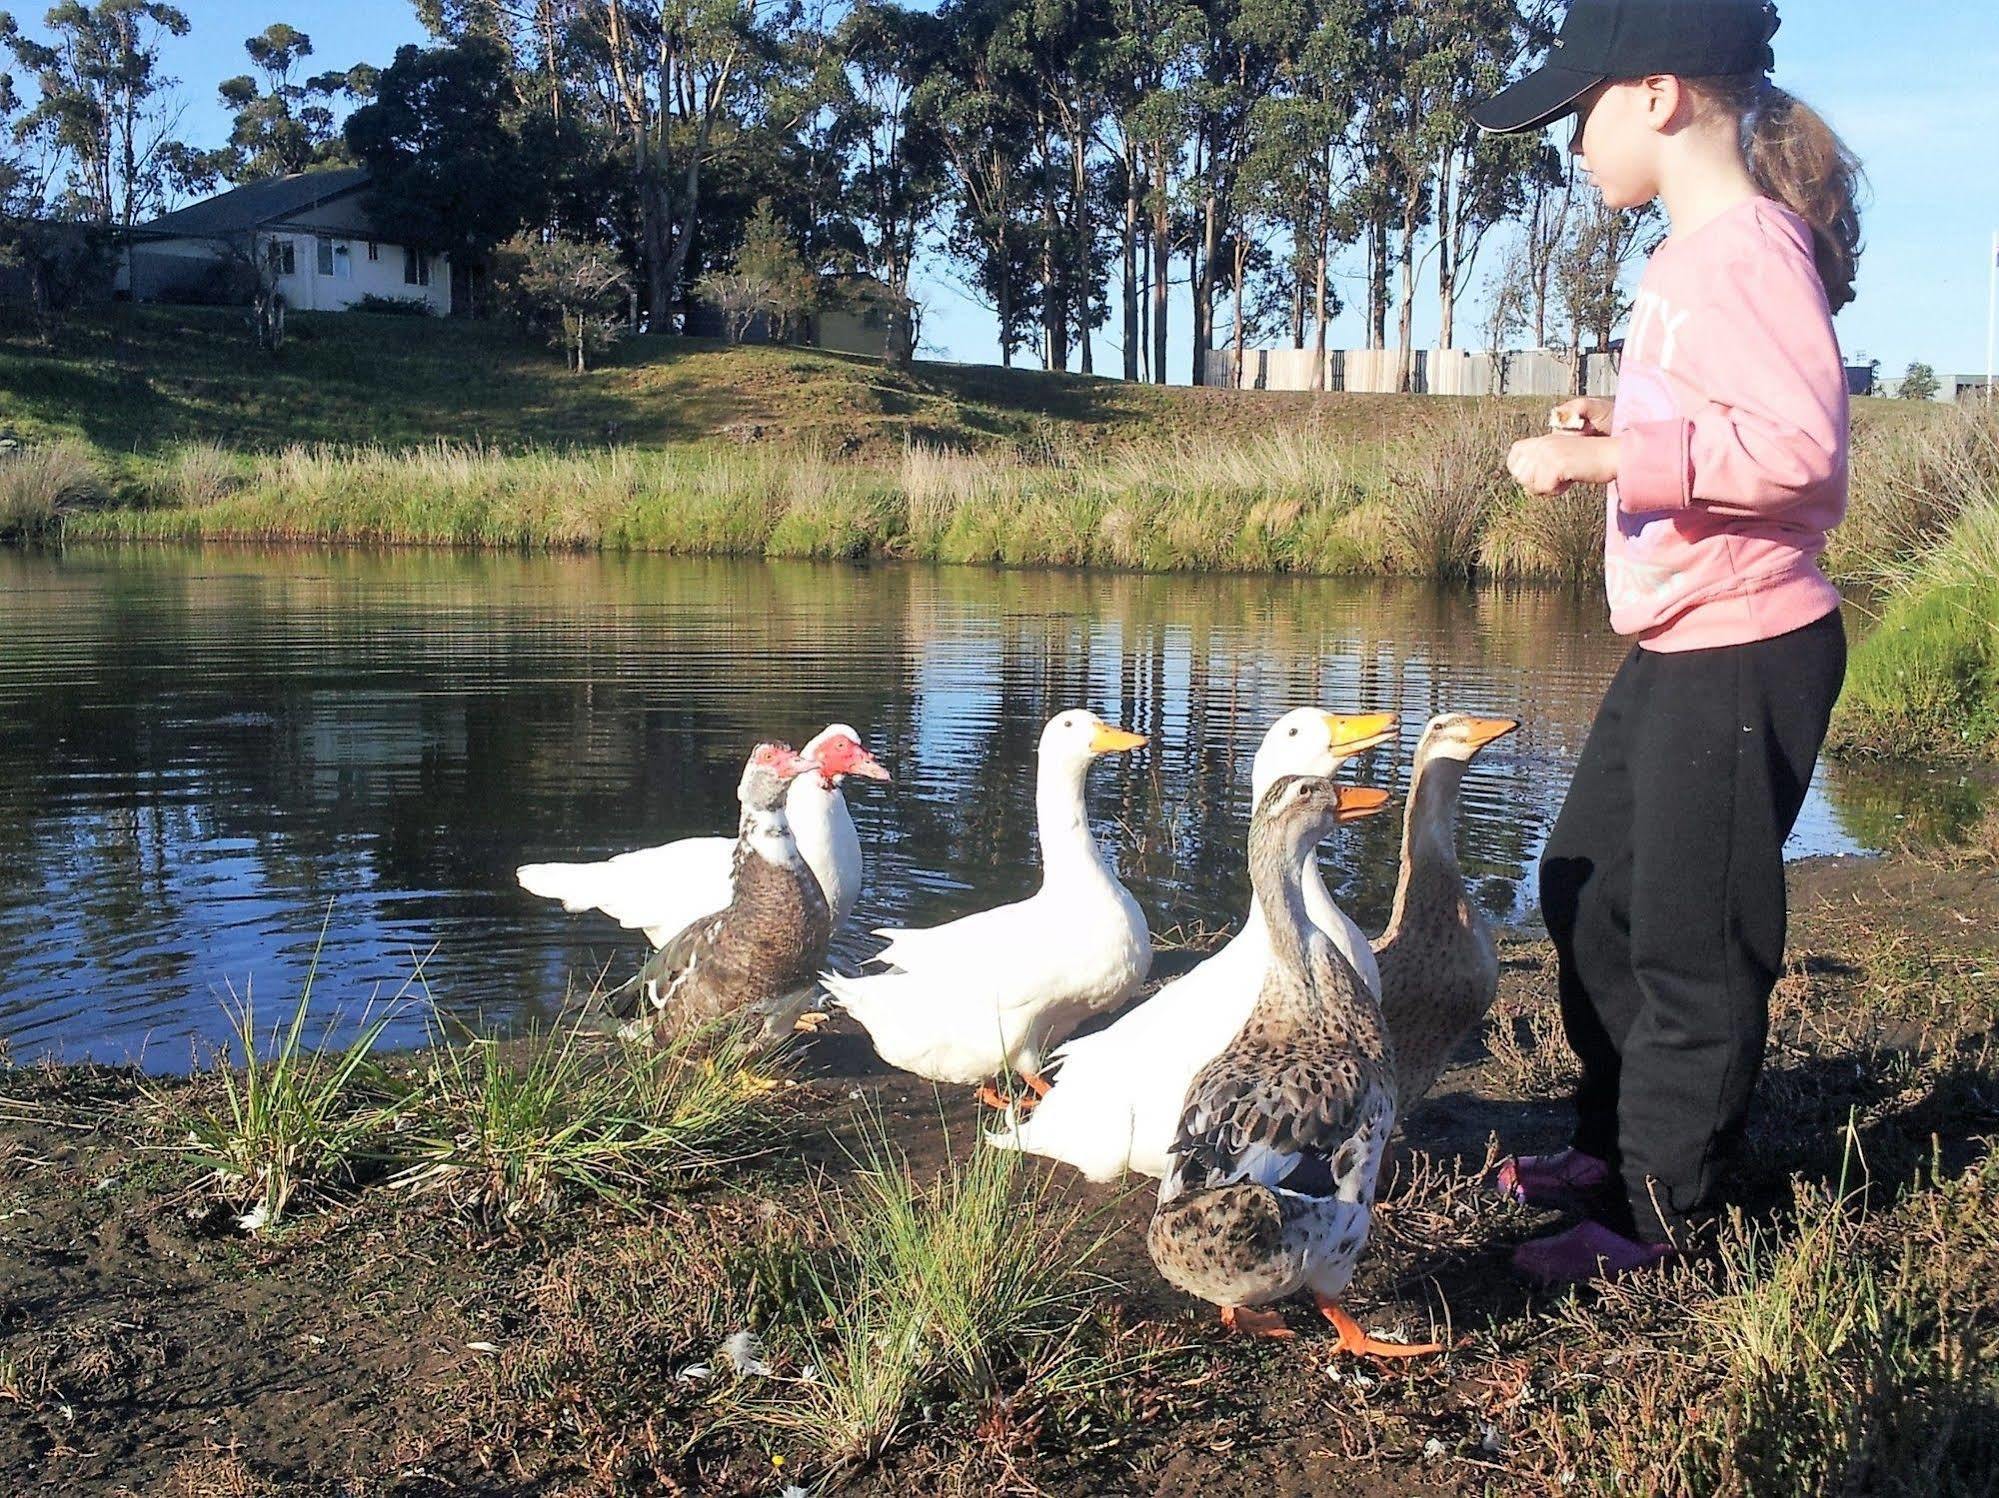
{"points": [[40, 482]]}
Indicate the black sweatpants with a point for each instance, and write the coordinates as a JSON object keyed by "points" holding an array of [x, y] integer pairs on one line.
{"points": [[1663, 887]]}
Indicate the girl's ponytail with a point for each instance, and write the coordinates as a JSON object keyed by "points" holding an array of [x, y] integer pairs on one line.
{"points": [[1797, 159]]}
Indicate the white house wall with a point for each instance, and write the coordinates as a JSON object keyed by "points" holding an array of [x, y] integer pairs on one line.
{"points": [[306, 290]]}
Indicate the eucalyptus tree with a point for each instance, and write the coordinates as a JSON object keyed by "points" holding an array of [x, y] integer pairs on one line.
{"points": [[283, 124], [896, 170], [1240, 51], [1153, 49], [682, 80], [104, 109], [974, 103], [1302, 156]]}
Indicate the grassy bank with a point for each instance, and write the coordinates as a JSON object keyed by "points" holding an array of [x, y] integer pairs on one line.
{"points": [[1925, 680], [1299, 501], [568, 1267], [168, 425]]}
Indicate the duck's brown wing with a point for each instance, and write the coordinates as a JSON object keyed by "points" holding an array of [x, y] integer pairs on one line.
{"points": [[1281, 1115]]}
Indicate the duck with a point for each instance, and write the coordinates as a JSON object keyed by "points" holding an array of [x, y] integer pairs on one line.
{"points": [[1117, 1092], [758, 954], [664, 890], [1279, 1146], [1439, 965], [992, 992]]}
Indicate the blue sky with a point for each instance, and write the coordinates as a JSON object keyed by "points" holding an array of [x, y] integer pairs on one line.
{"points": [[1910, 86]]}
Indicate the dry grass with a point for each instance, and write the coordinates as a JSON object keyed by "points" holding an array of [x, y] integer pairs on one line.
{"points": [[39, 483], [1910, 482]]}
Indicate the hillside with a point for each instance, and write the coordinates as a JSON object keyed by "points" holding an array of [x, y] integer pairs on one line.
{"points": [[136, 380]]}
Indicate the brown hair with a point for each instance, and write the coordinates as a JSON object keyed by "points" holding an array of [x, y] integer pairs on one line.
{"points": [[1798, 160]]}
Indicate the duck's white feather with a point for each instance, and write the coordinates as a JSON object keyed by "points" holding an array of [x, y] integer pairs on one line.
{"points": [[664, 890]]}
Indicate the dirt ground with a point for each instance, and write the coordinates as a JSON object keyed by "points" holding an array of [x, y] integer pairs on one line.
{"points": [[384, 1345]]}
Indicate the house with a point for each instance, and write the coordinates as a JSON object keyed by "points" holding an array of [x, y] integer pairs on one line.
{"points": [[856, 313], [311, 230]]}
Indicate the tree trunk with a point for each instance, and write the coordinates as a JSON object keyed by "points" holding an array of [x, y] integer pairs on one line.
{"points": [[1241, 263], [1377, 282], [1448, 230], [1405, 261], [1145, 305], [1005, 306], [1054, 305], [1319, 319], [1085, 231], [1162, 260], [1203, 277], [1130, 247]]}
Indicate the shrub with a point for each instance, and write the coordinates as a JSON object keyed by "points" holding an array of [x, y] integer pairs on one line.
{"points": [[393, 306]]}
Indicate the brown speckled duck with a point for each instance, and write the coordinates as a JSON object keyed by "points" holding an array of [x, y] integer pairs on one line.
{"points": [[1439, 969], [763, 951], [1272, 1179]]}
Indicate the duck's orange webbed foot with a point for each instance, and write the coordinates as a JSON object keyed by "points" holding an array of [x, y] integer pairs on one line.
{"points": [[1355, 1340], [1269, 1324]]}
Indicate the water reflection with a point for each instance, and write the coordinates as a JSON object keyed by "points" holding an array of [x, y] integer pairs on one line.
{"points": [[201, 749]]}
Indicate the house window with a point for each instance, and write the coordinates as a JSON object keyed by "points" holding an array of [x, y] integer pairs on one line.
{"points": [[374, 250], [325, 263], [283, 259], [416, 267], [343, 261]]}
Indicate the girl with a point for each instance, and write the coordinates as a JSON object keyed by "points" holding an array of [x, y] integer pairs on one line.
{"points": [[1663, 880]]}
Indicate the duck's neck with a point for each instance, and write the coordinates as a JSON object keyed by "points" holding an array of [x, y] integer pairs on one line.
{"points": [[766, 832], [1430, 837], [1068, 852]]}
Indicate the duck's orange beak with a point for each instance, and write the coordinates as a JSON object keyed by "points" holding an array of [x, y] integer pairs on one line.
{"points": [[1356, 733], [1109, 740], [1358, 801], [1483, 731]]}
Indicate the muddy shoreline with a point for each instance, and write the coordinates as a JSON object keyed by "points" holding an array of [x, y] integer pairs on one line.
{"points": [[387, 1345]]}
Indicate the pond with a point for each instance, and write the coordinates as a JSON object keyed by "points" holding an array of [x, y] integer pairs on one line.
{"points": [[217, 762]]}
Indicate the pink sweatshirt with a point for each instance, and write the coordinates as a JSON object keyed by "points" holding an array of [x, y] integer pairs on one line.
{"points": [[1731, 403]]}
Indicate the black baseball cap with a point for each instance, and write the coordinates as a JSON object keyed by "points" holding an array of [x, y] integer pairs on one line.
{"points": [[1603, 39]]}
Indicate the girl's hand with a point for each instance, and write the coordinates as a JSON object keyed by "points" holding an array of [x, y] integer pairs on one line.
{"points": [[1548, 465], [1586, 414]]}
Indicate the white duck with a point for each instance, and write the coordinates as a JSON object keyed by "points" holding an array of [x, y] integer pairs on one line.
{"points": [[666, 889], [993, 991], [1118, 1094]]}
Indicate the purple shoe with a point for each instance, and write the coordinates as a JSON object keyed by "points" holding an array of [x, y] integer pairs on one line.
{"points": [[1588, 1251], [1561, 1181]]}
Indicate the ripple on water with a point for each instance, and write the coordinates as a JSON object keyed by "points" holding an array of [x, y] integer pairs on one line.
{"points": [[206, 755]]}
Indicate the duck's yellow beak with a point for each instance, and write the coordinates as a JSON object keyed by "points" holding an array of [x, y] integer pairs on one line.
{"points": [[1357, 801], [1482, 731], [1356, 733], [1109, 740]]}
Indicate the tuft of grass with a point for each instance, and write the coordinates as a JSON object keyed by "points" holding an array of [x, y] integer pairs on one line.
{"points": [[297, 1116], [1445, 484], [975, 1286], [509, 1131], [39, 482], [1841, 1351], [194, 475]]}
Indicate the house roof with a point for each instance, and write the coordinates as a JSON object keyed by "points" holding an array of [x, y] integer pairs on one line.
{"points": [[255, 204]]}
